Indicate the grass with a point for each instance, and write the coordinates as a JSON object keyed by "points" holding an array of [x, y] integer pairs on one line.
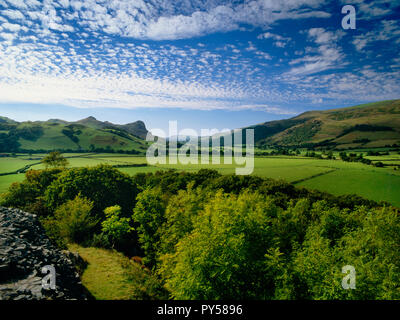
{"points": [[375, 184], [10, 164], [6, 181], [334, 176], [112, 276]]}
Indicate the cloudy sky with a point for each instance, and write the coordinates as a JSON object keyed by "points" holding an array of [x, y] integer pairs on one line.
{"points": [[205, 63]]}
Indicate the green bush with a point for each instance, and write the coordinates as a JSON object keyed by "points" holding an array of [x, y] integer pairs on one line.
{"points": [[102, 184], [116, 228], [229, 252], [149, 215], [28, 194], [182, 209], [74, 221]]}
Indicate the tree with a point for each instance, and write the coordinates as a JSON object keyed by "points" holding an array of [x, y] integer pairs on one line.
{"points": [[182, 209], [102, 184], [55, 159], [149, 215], [73, 219], [28, 194], [230, 253], [116, 227]]}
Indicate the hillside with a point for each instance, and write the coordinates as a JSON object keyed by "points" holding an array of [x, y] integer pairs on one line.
{"points": [[364, 126], [367, 126], [87, 134]]}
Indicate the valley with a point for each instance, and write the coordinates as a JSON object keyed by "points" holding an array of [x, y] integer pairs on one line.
{"points": [[333, 176]]}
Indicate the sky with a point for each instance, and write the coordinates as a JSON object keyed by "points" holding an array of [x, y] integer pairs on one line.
{"points": [[205, 63]]}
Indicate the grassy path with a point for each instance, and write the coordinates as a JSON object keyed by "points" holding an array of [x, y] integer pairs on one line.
{"points": [[112, 276]]}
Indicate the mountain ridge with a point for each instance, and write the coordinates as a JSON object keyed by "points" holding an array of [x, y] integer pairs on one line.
{"points": [[88, 134], [367, 125]]}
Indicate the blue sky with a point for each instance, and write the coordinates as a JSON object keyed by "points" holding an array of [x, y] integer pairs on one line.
{"points": [[207, 64]]}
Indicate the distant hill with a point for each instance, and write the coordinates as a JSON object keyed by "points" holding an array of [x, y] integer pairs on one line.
{"points": [[368, 126], [87, 134], [364, 126], [137, 128], [6, 120]]}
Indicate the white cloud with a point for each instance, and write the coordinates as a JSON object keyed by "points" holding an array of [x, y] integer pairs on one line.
{"points": [[64, 3], [279, 41], [95, 69], [7, 36], [327, 54], [13, 14], [164, 21], [387, 30], [18, 4], [373, 9], [11, 27]]}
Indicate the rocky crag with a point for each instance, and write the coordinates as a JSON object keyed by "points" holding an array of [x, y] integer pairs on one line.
{"points": [[24, 251]]}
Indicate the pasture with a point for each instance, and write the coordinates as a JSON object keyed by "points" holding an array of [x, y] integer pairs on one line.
{"points": [[333, 176]]}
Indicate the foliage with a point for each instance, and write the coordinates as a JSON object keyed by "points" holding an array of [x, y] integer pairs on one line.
{"points": [[226, 255], [213, 236], [182, 209], [55, 159], [102, 184], [116, 227], [28, 194], [74, 221], [149, 215]]}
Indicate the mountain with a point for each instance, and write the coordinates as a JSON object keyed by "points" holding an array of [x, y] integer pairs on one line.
{"points": [[368, 126], [137, 128], [88, 134], [6, 120]]}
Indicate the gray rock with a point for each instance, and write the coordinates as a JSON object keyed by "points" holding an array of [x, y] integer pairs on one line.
{"points": [[24, 251]]}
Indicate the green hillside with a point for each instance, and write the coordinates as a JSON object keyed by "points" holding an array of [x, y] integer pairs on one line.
{"points": [[85, 135], [365, 126], [368, 126]]}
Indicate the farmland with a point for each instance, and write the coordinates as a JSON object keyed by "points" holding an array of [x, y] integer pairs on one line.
{"points": [[333, 176]]}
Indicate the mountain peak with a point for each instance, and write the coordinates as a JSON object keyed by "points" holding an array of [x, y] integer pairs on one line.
{"points": [[90, 118]]}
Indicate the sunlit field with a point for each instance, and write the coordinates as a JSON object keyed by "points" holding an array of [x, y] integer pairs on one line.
{"points": [[334, 176]]}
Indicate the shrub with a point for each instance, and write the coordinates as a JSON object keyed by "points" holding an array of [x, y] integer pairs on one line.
{"points": [[114, 227], [182, 209], [74, 221], [101, 240]]}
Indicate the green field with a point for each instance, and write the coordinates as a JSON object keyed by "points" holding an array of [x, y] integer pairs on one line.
{"points": [[371, 184], [333, 176], [6, 181]]}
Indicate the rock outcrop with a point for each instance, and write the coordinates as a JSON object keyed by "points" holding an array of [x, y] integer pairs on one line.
{"points": [[24, 251]]}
